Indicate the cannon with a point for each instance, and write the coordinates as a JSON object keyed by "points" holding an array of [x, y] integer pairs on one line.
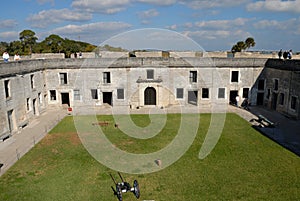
{"points": [[124, 187]]}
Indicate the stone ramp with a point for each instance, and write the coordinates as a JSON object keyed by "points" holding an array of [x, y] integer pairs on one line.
{"points": [[20, 143]]}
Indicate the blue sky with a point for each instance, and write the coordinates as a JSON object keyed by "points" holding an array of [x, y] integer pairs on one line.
{"points": [[213, 24]]}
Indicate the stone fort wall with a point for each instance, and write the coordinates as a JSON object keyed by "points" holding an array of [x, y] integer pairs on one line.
{"points": [[153, 54], [28, 88], [280, 84]]}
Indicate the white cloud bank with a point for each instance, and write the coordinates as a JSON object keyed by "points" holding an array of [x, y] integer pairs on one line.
{"points": [[275, 6], [103, 6], [48, 17]]}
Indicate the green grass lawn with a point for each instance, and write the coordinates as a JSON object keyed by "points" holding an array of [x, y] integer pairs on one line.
{"points": [[244, 165]]}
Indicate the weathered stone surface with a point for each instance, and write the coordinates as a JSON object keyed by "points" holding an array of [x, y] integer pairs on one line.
{"points": [[30, 84]]}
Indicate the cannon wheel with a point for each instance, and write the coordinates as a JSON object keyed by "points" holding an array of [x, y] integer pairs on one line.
{"points": [[119, 192], [136, 187]]}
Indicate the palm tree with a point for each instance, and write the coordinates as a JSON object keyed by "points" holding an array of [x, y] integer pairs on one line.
{"points": [[238, 47], [249, 42]]}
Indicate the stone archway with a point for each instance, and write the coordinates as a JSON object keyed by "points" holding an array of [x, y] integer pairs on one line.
{"points": [[150, 96]]}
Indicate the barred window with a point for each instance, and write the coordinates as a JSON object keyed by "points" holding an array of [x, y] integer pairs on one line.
{"points": [[120, 93], [179, 93], [221, 93], [94, 93], [268, 93], [76, 94], [28, 108], [106, 77], [205, 93], [293, 102], [281, 99], [32, 81], [63, 78], [193, 76], [7, 88], [276, 82], [234, 76], [150, 74], [52, 95], [261, 85], [245, 92]]}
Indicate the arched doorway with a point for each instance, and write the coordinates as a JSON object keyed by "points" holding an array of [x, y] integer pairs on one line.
{"points": [[150, 96]]}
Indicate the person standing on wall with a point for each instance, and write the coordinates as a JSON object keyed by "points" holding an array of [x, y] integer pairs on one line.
{"points": [[5, 57], [290, 54], [17, 57], [285, 55], [280, 54]]}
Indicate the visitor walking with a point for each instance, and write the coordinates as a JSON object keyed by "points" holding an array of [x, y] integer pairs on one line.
{"points": [[290, 54], [285, 55], [245, 104], [280, 54], [237, 99]]}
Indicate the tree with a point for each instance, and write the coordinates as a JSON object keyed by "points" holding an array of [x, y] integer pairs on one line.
{"points": [[3, 47], [55, 43], [28, 39], [90, 48], [51, 44], [71, 46], [241, 45], [249, 42], [15, 47], [238, 47]]}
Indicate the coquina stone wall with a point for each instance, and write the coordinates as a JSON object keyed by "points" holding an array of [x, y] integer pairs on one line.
{"points": [[29, 88], [281, 88]]}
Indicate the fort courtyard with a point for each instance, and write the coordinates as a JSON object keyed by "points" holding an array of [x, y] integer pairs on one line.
{"points": [[240, 163]]}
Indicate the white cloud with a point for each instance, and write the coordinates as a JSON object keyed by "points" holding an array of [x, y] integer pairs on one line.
{"points": [[155, 39], [188, 25], [159, 2], [114, 6], [267, 24], [287, 26], [209, 35], [172, 27], [223, 32], [47, 17], [145, 22], [45, 1], [9, 36], [222, 24], [217, 39], [92, 28], [8, 24], [102, 6], [148, 13], [92, 33], [196, 4], [275, 6]]}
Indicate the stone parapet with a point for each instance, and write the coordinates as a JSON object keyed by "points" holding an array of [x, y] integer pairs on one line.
{"points": [[290, 64], [23, 67], [48, 56]]}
